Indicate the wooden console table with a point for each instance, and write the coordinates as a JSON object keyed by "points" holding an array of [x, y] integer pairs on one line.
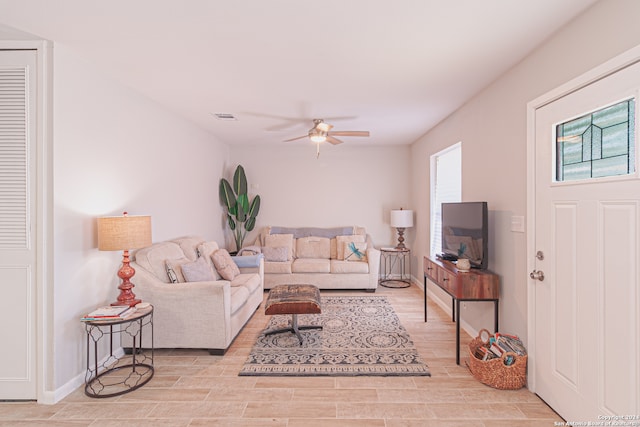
{"points": [[473, 285]]}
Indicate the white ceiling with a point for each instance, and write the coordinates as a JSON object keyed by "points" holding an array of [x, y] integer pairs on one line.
{"points": [[393, 67]]}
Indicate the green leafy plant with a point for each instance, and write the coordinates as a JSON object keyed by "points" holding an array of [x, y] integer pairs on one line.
{"points": [[241, 212]]}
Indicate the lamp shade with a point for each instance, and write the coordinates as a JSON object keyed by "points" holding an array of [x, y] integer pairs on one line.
{"points": [[119, 233], [402, 218]]}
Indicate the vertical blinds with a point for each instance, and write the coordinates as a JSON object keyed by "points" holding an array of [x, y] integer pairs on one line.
{"points": [[13, 157]]}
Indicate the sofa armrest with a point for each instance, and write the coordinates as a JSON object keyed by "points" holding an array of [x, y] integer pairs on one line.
{"points": [[255, 265], [373, 258], [182, 307], [247, 260]]}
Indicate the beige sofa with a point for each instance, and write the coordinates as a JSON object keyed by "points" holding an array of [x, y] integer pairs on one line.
{"points": [[200, 314], [319, 256]]}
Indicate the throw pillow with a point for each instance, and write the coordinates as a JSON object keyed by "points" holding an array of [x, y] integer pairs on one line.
{"points": [[205, 250], [355, 251], [313, 247], [341, 240], [224, 264], [276, 254], [174, 269], [277, 240], [198, 271]]}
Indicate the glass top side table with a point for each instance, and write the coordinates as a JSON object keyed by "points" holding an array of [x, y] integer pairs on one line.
{"points": [[393, 268], [115, 374]]}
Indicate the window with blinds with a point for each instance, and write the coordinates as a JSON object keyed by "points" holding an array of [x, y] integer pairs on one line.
{"points": [[13, 157], [446, 186]]}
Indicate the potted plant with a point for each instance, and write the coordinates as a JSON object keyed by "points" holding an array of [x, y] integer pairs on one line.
{"points": [[241, 212]]}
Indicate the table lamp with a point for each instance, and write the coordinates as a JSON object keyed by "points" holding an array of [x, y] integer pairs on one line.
{"points": [[121, 233], [401, 219]]}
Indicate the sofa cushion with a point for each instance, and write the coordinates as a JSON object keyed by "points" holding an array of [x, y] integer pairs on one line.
{"points": [[277, 240], [189, 245], [276, 254], [173, 268], [224, 264], [333, 249], [340, 244], [239, 297], [205, 250], [313, 247], [198, 271], [355, 252], [152, 258], [346, 267], [251, 281], [277, 267], [311, 265]]}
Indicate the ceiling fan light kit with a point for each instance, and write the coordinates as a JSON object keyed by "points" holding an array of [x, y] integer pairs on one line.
{"points": [[321, 132]]}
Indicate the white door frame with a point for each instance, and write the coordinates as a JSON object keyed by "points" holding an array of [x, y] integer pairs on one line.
{"points": [[44, 217], [619, 62]]}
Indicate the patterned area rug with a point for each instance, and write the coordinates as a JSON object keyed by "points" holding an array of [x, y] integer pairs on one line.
{"points": [[361, 335]]}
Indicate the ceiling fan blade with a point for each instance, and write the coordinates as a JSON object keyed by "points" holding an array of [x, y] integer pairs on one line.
{"points": [[350, 133], [334, 141], [296, 138]]}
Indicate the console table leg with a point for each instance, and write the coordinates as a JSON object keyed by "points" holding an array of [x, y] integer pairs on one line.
{"points": [[425, 298], [453, 309], [495, 308], [457, 331]]}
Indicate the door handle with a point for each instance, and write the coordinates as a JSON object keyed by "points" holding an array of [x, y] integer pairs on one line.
{"points": [[537, 275]]}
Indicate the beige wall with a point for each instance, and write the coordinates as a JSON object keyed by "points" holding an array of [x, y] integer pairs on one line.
{"points": [[113, 151], [492, 127], [346, 185]]}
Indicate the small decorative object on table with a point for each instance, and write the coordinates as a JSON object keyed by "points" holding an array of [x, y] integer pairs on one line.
{"points": [[463, 264], [499, 360]]}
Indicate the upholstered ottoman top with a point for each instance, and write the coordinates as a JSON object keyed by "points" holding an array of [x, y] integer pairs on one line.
{"points": [[293, 299]]}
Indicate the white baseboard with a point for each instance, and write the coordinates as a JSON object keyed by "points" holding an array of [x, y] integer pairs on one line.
{"points": [[446, 306], [55, 396]]}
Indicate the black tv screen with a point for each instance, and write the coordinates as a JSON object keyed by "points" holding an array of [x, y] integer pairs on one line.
{"points": [[465, 232]]}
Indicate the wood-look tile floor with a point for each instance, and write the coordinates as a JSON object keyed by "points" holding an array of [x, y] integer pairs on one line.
{"points": [[193, 388]]}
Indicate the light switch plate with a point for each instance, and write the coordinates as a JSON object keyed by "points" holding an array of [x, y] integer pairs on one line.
{"points": [[517, 224]]}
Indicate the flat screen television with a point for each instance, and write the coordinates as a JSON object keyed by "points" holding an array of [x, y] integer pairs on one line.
{"points": [[465, 232]]}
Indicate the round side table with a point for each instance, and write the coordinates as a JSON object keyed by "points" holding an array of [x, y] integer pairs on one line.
{"points": [[393, 268]]}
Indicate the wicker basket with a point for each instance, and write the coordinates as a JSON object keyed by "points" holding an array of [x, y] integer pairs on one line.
{"points": [[494, 372]]}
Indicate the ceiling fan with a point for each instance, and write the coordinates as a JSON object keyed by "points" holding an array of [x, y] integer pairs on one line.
{"points": [[321, 132]]}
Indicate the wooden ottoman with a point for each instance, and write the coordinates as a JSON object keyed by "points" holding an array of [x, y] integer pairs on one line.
{"points": [[293, 299]]}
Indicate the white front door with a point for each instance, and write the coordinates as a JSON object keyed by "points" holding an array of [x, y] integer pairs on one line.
{"points": [[587, 233], [17, 224]]}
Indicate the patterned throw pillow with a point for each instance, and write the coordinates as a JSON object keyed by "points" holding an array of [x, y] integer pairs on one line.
{"points": [[224, 264], [355, 251], [198, 271]]}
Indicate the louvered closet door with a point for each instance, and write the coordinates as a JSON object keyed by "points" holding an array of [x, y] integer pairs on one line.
{"points": [[17, 225]]}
